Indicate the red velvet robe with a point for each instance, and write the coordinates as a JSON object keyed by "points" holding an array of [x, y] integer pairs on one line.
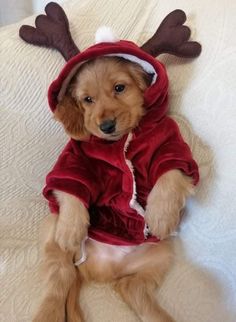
{"points": [[113, 179]]}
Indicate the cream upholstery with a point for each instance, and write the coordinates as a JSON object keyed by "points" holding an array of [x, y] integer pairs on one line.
{"points": [[202, 285]]}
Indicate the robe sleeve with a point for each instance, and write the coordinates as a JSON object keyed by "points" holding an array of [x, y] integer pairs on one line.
{"points": [[72, 175], [173, 153]]}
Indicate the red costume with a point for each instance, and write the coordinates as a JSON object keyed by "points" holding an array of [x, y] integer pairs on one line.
{"points": [[113, 179]]}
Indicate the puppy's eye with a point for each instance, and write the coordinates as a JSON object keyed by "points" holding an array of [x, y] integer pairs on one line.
{"points": [[119, 88], [88, 100]]}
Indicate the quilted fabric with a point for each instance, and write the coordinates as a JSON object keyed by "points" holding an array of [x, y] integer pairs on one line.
{"points": [[202, 285]]}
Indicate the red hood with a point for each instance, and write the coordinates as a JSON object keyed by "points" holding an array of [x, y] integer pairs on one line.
{"points": [[155, 95]]}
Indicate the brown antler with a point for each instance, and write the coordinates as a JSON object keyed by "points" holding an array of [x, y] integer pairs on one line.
{"points": [[172, 37], [52, 30]]}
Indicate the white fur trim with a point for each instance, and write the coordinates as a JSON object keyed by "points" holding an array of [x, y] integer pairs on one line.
{"points": [[133, 202], [144, 64], [146, 230], [105, 34], [83, 253]]}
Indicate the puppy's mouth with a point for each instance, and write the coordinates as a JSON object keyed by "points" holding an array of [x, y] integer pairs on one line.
{"points": [[113, 129], [117, 135], [112, 137]]}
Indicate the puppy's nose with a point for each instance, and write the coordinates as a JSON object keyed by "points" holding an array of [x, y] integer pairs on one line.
{"points": [[108, 126]]}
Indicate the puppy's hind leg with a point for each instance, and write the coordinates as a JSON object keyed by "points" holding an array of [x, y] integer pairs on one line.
{"points": [[73, 311], [59, 273], [133, 290], [147, 267]]}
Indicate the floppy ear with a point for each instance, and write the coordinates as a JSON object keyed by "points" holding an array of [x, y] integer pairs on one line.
{"points": [[142, 79], [71, 115]]}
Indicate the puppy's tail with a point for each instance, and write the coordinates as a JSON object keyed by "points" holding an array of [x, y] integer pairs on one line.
{"points": [[73, 311]]}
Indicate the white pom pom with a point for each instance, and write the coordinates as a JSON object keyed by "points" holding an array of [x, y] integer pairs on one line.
{"points": [[105, 34]]}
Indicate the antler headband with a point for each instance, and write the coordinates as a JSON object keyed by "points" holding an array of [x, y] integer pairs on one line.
{"points": [[52, 30]]}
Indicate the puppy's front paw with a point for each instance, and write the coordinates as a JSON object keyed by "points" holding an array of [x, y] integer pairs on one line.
{"points": [[68, 237], [162, 220], [166, 202]]}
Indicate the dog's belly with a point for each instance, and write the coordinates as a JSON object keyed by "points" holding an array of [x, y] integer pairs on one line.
{"points": [[108, 253], [104, 262]]}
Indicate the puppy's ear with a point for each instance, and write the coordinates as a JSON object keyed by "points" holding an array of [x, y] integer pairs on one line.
{"points": [[141, 78], [71, 115]]}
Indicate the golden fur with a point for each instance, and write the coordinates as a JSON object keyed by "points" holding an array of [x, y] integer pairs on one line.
{"points": [[137, 273], [97, 79]]}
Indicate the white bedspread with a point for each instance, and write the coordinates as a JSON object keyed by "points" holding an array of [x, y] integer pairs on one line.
{"points": [[202, 285]]}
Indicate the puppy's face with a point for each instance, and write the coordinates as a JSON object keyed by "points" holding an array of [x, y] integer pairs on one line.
{"points": [[105, 99]]}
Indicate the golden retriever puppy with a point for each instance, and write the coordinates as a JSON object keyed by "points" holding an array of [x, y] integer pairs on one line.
{"points": [[105, 99]]}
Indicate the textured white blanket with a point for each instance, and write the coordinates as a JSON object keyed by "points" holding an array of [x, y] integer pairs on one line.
{"points": [[202, 285]]}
